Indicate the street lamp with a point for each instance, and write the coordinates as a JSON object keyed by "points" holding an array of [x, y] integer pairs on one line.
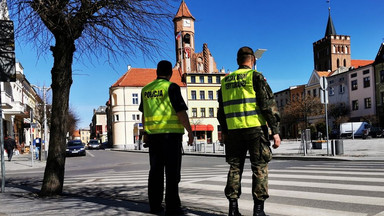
{"points": [[44, 89], [258, 54]]}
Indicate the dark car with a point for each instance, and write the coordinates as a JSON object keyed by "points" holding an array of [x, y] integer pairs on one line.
{"points": [[94, 144], [75, 147]]}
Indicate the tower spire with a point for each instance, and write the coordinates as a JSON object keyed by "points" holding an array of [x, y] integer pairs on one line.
{"points": [[330, 30]]}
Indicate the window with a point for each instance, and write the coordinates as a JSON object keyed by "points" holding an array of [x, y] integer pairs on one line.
{"points": [[99, 129], [355, 105], [354, 85], [367, 103], [314, 93], [202, 112], [209, 79], [194, 112], [202, 95], [193, 95], [331, 91], [133, 117], [341, 79], [366, 72], [211, 113], [135, 98], [309, 92], [367, 82], [137, 117], [341, 89], [382, 76], [218, 79], [116, 118], [210, 95], [193, 79], [353, 75], [201, 79]]}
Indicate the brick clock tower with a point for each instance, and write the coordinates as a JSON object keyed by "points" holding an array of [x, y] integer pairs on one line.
{"points": [[332, 51], [184, 24]]}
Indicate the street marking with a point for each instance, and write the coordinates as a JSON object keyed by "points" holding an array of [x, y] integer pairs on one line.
{"points": [[270, 208], [299, 194], [89, 153], [328, 172]]}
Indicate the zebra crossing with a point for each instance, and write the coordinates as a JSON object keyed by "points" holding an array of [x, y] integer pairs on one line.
{"points": [[335, 188]]}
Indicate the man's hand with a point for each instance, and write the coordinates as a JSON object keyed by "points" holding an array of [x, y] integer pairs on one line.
{"points": [[276, 141], [190, 138]]}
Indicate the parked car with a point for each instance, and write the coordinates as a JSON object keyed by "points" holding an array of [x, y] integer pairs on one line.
{"points": [[373, 132], [105, 145], [94, 144], [75, 147]]}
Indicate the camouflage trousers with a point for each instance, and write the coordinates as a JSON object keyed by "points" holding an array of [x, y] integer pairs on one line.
{"points": [[260, 153]]}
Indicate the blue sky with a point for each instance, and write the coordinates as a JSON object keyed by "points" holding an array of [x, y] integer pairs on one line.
{"points": [[287, 29]]}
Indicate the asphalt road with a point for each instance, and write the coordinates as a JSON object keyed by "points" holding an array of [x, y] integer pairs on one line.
{"points": [[296, 187]]}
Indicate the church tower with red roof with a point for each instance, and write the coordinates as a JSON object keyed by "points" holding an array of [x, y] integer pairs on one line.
{"points": [[333, 51]]}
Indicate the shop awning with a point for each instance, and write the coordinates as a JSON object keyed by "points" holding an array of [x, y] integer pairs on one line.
{"points": [[207, 127]]}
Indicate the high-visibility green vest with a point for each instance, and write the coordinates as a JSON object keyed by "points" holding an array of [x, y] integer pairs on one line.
{"points": [[239, 100], [159, 115]]}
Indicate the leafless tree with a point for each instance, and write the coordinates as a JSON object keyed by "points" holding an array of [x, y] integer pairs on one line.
{"points": [[92, 28], [298, 111]]}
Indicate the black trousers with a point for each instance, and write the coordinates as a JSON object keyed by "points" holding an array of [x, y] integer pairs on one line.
{"points": [[164, 154], [10, 154]]}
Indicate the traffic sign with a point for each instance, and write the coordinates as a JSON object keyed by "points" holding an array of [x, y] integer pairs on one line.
{"points": [[323, 83]]}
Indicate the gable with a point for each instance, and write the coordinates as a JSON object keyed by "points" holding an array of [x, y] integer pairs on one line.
{"points": [[380, 55]]}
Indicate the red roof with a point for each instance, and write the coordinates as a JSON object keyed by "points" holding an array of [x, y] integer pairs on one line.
{"points": [[360, 63], [139, 77], [183, 11]]}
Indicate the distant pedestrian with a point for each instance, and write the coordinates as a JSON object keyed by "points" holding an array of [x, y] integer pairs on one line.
{"points": [[9, 145], [246, 107], [164, 119]]}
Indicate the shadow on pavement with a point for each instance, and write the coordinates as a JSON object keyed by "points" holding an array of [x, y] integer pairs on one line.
{"points": [[87, 200]]}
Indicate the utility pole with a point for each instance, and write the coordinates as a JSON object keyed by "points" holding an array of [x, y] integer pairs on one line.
{"points": [[44, 144]]}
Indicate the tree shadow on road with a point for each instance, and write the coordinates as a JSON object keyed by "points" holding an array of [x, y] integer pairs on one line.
{"points": [[86, 200]]}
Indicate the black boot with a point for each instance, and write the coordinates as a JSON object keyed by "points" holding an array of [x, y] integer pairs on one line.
{"points": [[258, 208], [233, 208]]}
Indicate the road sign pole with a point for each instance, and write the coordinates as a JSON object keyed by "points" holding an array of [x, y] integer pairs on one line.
{"points": [[2, 149]]}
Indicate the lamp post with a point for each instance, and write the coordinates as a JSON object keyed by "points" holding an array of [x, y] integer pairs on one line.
{"points": [[258, 54], [44, 143]]}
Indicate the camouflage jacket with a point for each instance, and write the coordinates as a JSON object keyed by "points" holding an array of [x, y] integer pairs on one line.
{"points": [[265, 100]]}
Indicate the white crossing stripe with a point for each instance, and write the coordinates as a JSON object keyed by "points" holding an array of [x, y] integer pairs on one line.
{"points": [[329, 172], [271, 208], [298, 194]]}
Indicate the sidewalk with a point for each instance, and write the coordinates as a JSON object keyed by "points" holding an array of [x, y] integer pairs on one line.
{"points": [[20, 198]]}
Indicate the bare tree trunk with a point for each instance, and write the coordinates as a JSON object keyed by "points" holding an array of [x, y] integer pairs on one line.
{"points": [[61, 83]]}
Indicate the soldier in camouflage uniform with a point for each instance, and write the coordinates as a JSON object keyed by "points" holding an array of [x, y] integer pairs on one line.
{"points": [[245, 129]]}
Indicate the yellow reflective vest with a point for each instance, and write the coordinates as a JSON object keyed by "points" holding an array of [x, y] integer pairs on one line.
{"points": [[239, 100], [159, 115]]}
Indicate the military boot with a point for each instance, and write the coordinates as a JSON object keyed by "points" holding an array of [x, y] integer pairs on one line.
{"points": [[233, 208], [258, 208]]}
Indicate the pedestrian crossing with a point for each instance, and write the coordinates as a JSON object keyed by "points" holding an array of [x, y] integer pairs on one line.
{"points": [[334, 188]]}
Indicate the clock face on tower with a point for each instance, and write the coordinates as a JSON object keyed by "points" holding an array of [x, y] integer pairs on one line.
{"points": [[186, 23]]}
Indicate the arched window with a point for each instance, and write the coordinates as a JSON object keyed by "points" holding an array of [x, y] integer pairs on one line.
{"points": [[338, 63], [114, 99], [345, 63]]}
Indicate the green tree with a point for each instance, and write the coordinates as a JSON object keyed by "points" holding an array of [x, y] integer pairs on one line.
{"points": [[93, 28]]}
